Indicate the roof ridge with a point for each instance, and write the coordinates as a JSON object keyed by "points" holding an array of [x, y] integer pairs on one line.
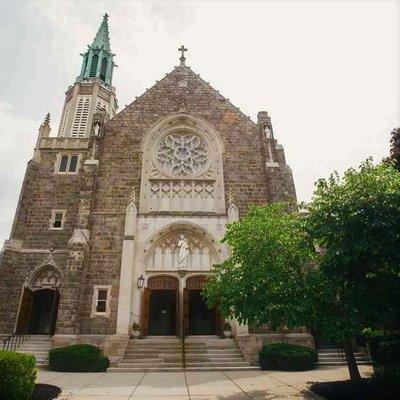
{"points": [[183, 65]]}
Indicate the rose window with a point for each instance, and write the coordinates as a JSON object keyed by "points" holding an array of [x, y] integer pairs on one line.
{"points": [[182, 154]]}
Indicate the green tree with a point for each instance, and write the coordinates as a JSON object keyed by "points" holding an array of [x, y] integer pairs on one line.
{"points": [[395, 147], [263, 281], [356, 219], [273, 275]]}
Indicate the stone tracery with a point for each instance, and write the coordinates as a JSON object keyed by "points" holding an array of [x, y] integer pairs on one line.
{"points": [[182, 153], [182, 167]]}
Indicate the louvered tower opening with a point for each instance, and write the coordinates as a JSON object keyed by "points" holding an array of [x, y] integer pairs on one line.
{"points": [[93, 66], [81, 117], [103, 69]]}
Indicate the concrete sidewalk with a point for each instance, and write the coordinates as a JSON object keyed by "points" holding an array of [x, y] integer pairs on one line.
{"points": [[228, 385]]}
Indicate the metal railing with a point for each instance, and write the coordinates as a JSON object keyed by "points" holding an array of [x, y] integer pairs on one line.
{"points": [[14, 341]]}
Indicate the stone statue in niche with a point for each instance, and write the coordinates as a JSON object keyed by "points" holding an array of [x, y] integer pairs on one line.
{"points": [[268, 132], [183, 253], [96, 129]]}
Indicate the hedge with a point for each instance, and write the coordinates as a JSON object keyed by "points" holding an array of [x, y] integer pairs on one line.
{"points": [[389, 351], [78, 358], [388, 378], [17, 375], [287, 357], [374, 344]]}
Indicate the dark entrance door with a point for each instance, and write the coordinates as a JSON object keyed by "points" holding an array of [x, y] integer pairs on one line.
{"points": [[25, 311], [44, 312], [202, 320], [162, 318]]}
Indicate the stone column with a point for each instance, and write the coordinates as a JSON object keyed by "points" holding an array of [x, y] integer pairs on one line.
{"points": [[127, 273], [233, 215]]}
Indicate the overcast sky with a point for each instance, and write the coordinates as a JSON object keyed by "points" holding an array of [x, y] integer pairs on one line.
{"points": [[327, 72]]}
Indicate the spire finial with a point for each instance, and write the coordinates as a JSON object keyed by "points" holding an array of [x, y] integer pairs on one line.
{"points": [[102, 38], [47, 119], [182, 49]]}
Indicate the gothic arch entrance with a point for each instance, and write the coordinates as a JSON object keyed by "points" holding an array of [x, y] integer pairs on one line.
{"points": [[39, 304], [199, 319], [161, 310]]}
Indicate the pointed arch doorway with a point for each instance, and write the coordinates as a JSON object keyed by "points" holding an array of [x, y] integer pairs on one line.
{"points": [[39, 304], [161, 306], [198, 318]]}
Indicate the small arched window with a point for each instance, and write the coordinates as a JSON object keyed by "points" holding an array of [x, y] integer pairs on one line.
{"points": [[93, 65], [103, 69]]}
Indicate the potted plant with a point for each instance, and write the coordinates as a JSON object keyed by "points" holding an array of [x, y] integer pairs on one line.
{"points": [[227, 330], [136, 331]]}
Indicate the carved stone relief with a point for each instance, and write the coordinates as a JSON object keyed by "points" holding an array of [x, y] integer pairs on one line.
{"points": [[47, 277], [188, 195], [167, 254]]}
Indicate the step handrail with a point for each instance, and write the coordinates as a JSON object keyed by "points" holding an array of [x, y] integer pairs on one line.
{"points": [[15, 340]]}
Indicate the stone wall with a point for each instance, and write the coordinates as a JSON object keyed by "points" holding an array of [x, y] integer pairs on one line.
{"points": [[112, 346], [251, 344], [44, 191]]}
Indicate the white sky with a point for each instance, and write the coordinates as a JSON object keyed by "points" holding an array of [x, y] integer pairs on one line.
{"points": [[327, 72]]}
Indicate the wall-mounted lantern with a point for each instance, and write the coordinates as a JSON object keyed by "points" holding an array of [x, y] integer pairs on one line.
{"points": [[140, 281]]}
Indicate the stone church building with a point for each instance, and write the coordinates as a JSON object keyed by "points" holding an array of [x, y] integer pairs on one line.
{"points": [[121, 215]]}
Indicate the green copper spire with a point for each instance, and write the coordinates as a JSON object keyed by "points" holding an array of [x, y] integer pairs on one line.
{"points": [[102, 38], [98, 59]]}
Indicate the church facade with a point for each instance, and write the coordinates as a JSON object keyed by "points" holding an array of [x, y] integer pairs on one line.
{"points": [[121, 215]]}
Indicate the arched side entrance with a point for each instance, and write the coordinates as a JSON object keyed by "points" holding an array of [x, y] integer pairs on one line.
{"points": [[39, 304], [198, 318], [161, 306]]}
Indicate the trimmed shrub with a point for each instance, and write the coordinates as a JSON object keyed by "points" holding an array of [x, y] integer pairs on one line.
{"points": [[375, 341], [387, 377], [287, 357], [78, 358], [389, 351], [17, 375]]}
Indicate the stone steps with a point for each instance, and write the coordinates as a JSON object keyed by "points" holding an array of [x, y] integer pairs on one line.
{"points": [[151, 354], [203, 353], [336, 357], [224, 368], [211, 353], [39, 346], [144, 369]]}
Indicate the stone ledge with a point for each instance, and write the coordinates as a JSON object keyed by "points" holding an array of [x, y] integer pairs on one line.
{"points": [[57, 143], [251, 344]]}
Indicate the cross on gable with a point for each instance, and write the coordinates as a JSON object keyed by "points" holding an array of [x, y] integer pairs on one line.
{"points": [[182, 49]]}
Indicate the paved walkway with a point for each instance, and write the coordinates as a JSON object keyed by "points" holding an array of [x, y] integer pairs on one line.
{"points": [[227, 385]]}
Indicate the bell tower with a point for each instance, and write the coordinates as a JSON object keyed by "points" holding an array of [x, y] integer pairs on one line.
{"points": [[92, 89]]}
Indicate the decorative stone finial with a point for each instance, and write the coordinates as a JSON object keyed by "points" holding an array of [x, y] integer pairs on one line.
{"points": [[231, 197], [263, 117], [233, 212], [132, 197], [47, 119], [182, 49]]}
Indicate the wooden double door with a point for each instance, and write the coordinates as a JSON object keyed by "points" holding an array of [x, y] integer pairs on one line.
{"points": [[38, 311], [165, 312]]}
